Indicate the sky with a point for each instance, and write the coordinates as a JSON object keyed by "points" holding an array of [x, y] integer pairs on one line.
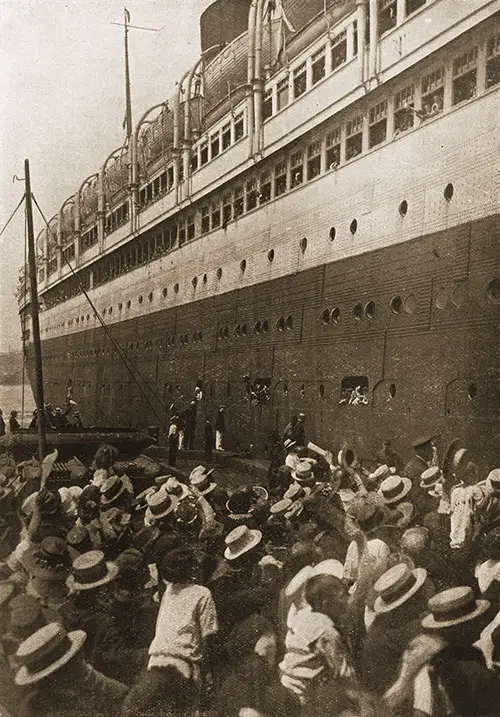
{"points": [[62, 101]]}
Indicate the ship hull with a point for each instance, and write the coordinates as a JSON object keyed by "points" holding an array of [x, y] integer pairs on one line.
{"points": [[431, 366]]}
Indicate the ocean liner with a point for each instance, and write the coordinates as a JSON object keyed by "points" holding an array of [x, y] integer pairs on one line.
{"points": [[311, 223]]}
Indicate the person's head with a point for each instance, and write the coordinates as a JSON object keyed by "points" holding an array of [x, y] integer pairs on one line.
{"points": [[301, 417], [327, 594], [105, 456], [178, 566], [302, 553], [14, 414], [456, 616], [254, 635], [490, 547], [403, 593], [243, 546], [423, 447], [415, 543]]}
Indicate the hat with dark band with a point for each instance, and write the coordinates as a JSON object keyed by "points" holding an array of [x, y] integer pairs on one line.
{"points": [[240, 541], [453, 607], [45, 651], [91, 570], [159, 505], [50, 560], [303, 473], [422, 440], [430, 477], [394, 488], [454, 456], [200, 479], [112, 489], [288, 444], [370, 517], [396, 586], [282, 507]]}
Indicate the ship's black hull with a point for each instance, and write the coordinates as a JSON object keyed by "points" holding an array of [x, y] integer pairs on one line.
{"points": [[431, 367]]}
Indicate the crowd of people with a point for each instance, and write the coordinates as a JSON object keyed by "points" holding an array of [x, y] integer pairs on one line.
{"points": [[54, 418], [329, 591]]}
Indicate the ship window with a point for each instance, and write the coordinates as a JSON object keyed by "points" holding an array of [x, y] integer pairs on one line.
{"points": [[303, 244], [129, 303], [357, 312], [265, 187], [176, 288], [170, 176], [226, 136], [267, 105], [194, 282], [282, 91], [265, 326], [335, 315], [270, 256], [332, 233], [414, 5], [448, 191], [354, 135], [442, 298], [432, 93], [150, 298], [386, 15], [396, 304], [238, 202], [204, 153], [472, 391], [194, 161], [205, 220], [325, 317], [403, 109], [205, 278], [377, 120], [410, 304], [353, 227], [280, 178], [493, 61], [370, 310], [280, 324], [403, 208], [164, 292], [243, 265], [458, 295], [318, 65], [333, 149], [314, 159], [140, 300], [227, 209], [239, 127], [257, 328], [493, 291], [299, 81], [392, 390], [251, 193], [215, 218], [237, 330], [244, 329], [190, 226], [297, 168], [339, 50], [464, 72], [214, 145], [219, 273], [354, 391]]}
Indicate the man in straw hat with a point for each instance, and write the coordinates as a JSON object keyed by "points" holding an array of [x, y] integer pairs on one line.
{"points": [[203, 484], [52, 659], [421, 459], [447, 672]]}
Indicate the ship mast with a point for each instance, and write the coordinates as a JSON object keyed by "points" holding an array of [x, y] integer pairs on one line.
{"points": [[35, 321], [128, 100]]}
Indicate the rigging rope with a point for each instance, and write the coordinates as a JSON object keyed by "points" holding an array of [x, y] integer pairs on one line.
{"points": [[12, 215], [128, 365]]}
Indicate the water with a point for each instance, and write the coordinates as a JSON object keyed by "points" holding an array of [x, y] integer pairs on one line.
{"points": [[11, 397]]}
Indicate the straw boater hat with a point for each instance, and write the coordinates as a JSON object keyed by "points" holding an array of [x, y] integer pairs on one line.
{"points": [[46, 651], [454, 456], [111, 490], [142, 498], [431, 477], [90, 570], [159, 506], [422, 440], [174, 487], [394, 488], [200, 479], [396, 586], [26, 620], [370, 517], [240, 541], [300, 579], [186, 511], [288, 444], [303, 473], [453, 607], [50, 560], [297, 492], [259, 492]]}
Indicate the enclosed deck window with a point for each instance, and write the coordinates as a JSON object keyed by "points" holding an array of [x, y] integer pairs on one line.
{"points": [[338, 49], [314, 159], [205, 220], [318, 63], [299, 81], [333, 140], [265, 186], [226, 136], [432, 93], [464, 72], [267, 105], [354, 391], [377, 120], [403, 109], [282, 93], [252, 194], [215, 215], [227, 209], [414, 5], [297, 168], [238, 203], [214, 145], [204, 153], [239, 126], [354, 137], [386, 15], [280, 178], [493, 61]]}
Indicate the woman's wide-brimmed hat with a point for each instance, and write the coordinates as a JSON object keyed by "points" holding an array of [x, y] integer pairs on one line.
{"points": [[91, 570], [394, 488], [453, 607], [240, 541], [396, 586], [303, 473], [454, 456], [50, 560], [46, 651], [200, 479], [370, 517], [430, 477], [111, 490], [160, 505]]}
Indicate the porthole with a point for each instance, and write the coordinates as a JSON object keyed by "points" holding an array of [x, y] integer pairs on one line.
{"points": [[493, 291], [243, 265], [150, 296], [458, 295], [289, 323], [302, 390], [357, 312], [237, 330], [396, 304], [448, 191], [219, 273], [88, 315], [410, 304], [140, 299], [325, 317], [270, 255], [303, 244], [353, 226], [257, 328], [110, 311], [442, 298], [403, 208], [335, 315], [321, 390], [176, 288], [472, 391], [194, 282], [392, 390], [205, 278], [285, 389], [164, 292], [265, 326], [280, 324], [221, 333], [120, 306], [332, 233], [77, 319], [226, 332], [370, 310], [244, 329]]}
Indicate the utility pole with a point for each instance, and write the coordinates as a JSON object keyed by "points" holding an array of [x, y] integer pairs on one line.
{"points": [[42, 443]]}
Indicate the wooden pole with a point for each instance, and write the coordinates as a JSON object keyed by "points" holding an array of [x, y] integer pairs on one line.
{"points": [[128, 100], [42, 444]]}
